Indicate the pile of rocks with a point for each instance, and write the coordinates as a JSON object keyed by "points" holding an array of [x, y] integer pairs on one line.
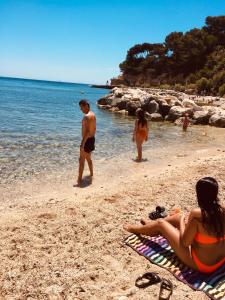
{"points": [[169, 105]]}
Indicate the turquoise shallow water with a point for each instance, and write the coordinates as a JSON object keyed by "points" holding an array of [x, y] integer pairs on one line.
{"points": [[40, 127]]}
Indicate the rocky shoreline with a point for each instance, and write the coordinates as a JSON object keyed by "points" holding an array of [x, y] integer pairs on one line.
{"points": [[168, 105]]}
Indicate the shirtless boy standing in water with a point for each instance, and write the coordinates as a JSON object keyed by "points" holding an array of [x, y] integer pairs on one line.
{"points": [[88, 139]]}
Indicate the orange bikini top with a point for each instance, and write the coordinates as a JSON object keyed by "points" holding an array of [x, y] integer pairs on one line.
{"points": [[206, 239]]}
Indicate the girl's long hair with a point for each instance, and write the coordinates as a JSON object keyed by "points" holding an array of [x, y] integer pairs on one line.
{"points": [[141, 117], [213, 213]]}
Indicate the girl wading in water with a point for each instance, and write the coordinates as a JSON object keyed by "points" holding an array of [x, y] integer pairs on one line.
{"points": [[140, 134], [198, 239]]}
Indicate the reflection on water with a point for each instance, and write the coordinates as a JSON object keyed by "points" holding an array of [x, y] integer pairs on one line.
{"points": [[41, 125]]}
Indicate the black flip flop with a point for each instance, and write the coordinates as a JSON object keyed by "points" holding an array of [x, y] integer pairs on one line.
{"points": [[159, 212], [166, 289], [147, 279]]}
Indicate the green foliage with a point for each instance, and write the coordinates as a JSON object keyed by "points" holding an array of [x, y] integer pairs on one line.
{"points": [[179, 87], [222, 90], [203, 85], [218, 79], [192, 78], [183, 58], [165, 86], [191, 86]]}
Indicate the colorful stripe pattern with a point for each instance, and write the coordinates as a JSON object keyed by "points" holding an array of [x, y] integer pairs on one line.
{"points": [[158, 251]]}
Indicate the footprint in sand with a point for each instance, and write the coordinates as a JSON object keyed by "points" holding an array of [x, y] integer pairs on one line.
{"points": [[70, 211], [49, 216], [110, 200]]}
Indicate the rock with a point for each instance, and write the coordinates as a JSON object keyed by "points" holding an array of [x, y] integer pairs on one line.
{"points": [[190, 91], [119, 93], [114, 109], [177, 111], [122, 104], [164, 109], [156, 117], [147, 115], [132, 106], [191, 104], [103, 101], [54, 292], [104, 106], [152, 107], [169, 99], [115, 101], [122, 112], [201, 117], [217, 120], [160, 100], [176, 103], [144, 102]]}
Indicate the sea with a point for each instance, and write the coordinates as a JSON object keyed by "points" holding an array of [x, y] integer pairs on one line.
{"points": [[40, 128]]}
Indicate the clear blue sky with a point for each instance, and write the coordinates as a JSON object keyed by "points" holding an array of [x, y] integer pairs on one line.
{"points": [[85, 40]]}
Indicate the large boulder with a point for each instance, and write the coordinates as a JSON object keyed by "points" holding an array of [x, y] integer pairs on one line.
{"points": [[188, 103], [177, 112], [155, 117], [152, 107], [119, 93], [144, 102], [104, 101], [132, 106], [160, 100], [171, 100], [119, 102], [201, 117], [104, 106], [217, 120], [164, 109], [122, 104]]}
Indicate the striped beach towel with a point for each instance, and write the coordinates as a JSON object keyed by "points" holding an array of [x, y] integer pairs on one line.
{"points": [[158, 251]]}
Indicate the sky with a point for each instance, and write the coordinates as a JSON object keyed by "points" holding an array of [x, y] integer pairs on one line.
{"points": [[84, 41]]}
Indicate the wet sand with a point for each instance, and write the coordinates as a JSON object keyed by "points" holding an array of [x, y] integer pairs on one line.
{"points": [[63, 242]]}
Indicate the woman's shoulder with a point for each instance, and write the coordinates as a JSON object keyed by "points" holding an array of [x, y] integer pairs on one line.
{"points": [[196, 213]]}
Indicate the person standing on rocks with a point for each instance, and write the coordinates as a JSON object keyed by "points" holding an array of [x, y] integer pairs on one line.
{"points": [[140, 134], [88, 139]]}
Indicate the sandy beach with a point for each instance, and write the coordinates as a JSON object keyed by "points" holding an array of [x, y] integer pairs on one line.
{"points": [[63, 242]]}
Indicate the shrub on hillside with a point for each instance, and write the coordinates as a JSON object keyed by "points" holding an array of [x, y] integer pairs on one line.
{"points": [[218, 80], [192, 78], [179, 87], [165, 86], [203, 85], [222, 90]]}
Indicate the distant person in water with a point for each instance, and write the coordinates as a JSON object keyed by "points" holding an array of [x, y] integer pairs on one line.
{"points": [[140, 134], [185, 122], [88, 139]]}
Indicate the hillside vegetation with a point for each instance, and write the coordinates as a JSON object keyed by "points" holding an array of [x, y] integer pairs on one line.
{"points": [[194, 61]]}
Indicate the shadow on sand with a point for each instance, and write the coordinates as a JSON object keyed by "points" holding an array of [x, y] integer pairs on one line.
{"points": [[138, 161], [86, 181]]}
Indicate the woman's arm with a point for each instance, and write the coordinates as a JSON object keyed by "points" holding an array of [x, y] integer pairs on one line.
{"points": [[147, 130], [135, 130], [188, 230]]}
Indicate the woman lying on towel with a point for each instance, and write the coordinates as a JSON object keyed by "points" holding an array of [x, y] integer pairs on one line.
{"points": [[198, 238]]}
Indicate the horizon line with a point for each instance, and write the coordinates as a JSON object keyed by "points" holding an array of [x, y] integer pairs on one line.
{"points": [[47, 80]]}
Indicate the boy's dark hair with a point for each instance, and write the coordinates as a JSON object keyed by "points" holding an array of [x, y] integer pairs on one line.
{"points": [[84, 102]]}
